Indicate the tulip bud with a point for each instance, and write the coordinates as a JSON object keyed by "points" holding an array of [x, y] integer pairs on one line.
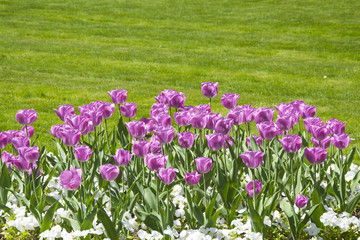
{"points": [[122, 157], [209, 89], [82, 153], [109, 172], [26, 116], [203, 164], [252, 159], [301, 201], [250, 188]]}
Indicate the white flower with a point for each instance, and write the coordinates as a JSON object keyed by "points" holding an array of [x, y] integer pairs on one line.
{"points": [[177, 191], [312, 229], [177, 223], [180, 213], [350, 176], [143, 235], [172, 232], [54, 232], [143, 226], [129, 222], [156, 235], [254, 236], [267, 221], [223, 234]]}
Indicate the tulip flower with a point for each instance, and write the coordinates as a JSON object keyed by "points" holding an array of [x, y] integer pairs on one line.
{"points": [[29, 154], [128, 110], [107, 109], [284, 123], [71, 179], [203, 164], [297, 104], [118, 96], [94, 116], [215, 141], [264, 115], [13, 134], [3, 140], [229, 100], [161, 107], [250, 188], [223, 125], [257, 139], [177, 100], [186, 139], [109, 172], [136, 129], [167, 94], [70, 136], [301, 201], [162, 119], [315, 155], [291, 143], [199, 120], [150, 124], [19, 142], [7, 159], [307, 110], [209, 89], [26, 116], [122, 157], [82, 153], [267, 130], [19, 163], [335, 126], [165, 134], [64, 110], [155, 144], [191, 109], [55, 130], [211, 120], [30, 130], [141, 148], [310, 121], [252, 159], [203, 108], [325, 143], [249, 112], [229, 141], [183, 118], [238, 116], [285, 109], [79, 122], [192, 178], [156, 161], [319, 132], [341, 141], [166, 175]]}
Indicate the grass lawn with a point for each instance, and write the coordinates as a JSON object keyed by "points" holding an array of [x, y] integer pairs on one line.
{"points": [[72, 52]]}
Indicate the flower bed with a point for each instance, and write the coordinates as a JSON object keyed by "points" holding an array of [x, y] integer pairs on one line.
{"points": [[183, 173]]}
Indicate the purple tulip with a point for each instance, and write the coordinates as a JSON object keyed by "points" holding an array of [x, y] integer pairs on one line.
{"points": [[141, 148], [122, 157], [335, 126], [155, 144], [192, 178], [252, 159], [19, 142], [203, 164], [199, 120], [211, 120], [79, 122], [301, 201], [183, 118], [238, 116], [82, 153], [26, 116], [34, 167], [136, 129], [223, 125], [341, 141], [71, 179], [209, 89], [284, 123], [150, 124], [156, 161], [167, 94], [229, 139], [257, 139], [203, 108], [3, 140], [167, 175], [285, 109], [177, 100], [64, 110], [109, 172], [186, 139], [19, 163], [264, 115], [267, 130], [118, 96], [249, 112], [319, 132], [161, 107], [94, 116], [7, 159], [307, 110], [229, 100], [215, 141], [297, 104], [13, 134], [128, 110], [310, 121], [291, 143], [55, 130], [107, 109], [189, 108], [325, 143], [163, 119], [29, 154], [315, 155], [70, 136], [165, 134], [250, 188], [30, 130]]}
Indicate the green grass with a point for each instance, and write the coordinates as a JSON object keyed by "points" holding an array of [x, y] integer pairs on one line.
{"points": [[72, 52]]}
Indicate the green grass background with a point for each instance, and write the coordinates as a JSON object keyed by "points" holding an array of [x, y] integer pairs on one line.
{"points": [[72, 52]]}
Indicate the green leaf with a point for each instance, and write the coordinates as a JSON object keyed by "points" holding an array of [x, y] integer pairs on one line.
{"points": [[151, 220], [355, 182], [88, 221], [353, 203], [46, 223], [108, 224], [5, 182], [73, 223], [319, 211], [308, 215], [290, 215], [209, 209], [150, 199], [198, 214], [61, 152]]}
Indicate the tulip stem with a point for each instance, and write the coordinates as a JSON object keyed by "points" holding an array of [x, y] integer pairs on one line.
{"points": [[157, 190], [27, 134], [205, 197], [168, 205], [254, 188], [249, 129], [292, 189], [210, 103], [107, 136], [33, 173]]}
